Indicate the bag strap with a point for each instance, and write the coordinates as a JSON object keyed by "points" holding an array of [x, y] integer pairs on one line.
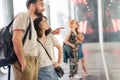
{"points": [[30, 32], [45, 49], [28, 29], [9, 25]]}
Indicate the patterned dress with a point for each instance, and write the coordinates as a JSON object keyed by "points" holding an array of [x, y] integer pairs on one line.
{"points": [[73, 60]]}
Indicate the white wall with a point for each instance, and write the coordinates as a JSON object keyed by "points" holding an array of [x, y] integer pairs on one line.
{"points": [[19, 6], [57, 8], [1, 15]]}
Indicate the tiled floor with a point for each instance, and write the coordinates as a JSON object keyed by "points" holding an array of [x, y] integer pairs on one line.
{"points": [[94, 63], [112, 55]]}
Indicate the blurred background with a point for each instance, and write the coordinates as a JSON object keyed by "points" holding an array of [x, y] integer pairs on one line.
{"points": [[99, 21], [85, 12]]}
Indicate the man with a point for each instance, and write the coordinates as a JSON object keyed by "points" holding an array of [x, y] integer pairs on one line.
{"points": [[26, 68]]}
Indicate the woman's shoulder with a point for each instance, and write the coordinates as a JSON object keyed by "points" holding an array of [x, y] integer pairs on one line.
{"points": [[69, 31], [50, 35]]}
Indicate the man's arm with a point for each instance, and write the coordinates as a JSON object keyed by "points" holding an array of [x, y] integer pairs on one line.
{"points": [[18, 47]]}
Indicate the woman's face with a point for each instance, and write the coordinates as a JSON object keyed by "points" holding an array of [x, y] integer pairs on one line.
{"points": [[74, 25], [44, 24]]}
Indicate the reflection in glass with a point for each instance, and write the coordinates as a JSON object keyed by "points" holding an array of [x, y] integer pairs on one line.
{"points": [[111, 20]]}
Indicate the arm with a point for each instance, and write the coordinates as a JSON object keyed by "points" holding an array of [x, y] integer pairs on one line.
{"points": [[18, 47], [67, 38], [57, 31], [58, 46], [19, 26], [80, 38]]}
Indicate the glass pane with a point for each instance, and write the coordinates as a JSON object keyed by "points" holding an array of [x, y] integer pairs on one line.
{"points": [[111, 20], [86, 12], [111, 28]]}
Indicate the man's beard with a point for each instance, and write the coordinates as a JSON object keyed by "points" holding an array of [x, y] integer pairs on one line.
{"points": [[37, 12]]}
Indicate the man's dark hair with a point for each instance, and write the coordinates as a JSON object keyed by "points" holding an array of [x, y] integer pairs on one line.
{"points": [[28, 2]]}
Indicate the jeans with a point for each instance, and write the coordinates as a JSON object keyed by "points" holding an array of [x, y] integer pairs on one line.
{"points": [[47, 73], [80, 52]]}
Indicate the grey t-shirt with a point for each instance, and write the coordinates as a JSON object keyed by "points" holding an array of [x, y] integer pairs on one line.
{"points": [[21, 22]]}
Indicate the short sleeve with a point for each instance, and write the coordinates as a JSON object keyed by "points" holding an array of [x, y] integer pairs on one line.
{"points": [[54, 40], [21, 21]]}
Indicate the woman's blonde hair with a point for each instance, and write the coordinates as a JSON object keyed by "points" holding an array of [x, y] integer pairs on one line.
{"points": [[71, 22]]}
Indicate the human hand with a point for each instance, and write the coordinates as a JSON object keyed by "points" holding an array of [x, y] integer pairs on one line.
{"points": [[23, 66], [73, 46], [76, 48], [56, 64], [57, 31]]}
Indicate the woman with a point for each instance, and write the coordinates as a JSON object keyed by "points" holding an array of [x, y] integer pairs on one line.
{"points": [[71, 47], [46, 65]]}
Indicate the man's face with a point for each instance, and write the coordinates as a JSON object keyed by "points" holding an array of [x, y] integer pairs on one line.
{"points": [[39, 6]]}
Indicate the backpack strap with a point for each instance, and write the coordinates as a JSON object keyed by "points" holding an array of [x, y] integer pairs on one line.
{"points": [[9, 25], [30, 32]]}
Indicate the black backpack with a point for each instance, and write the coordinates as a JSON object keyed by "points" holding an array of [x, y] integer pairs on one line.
{"points": [[7, 55]]}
